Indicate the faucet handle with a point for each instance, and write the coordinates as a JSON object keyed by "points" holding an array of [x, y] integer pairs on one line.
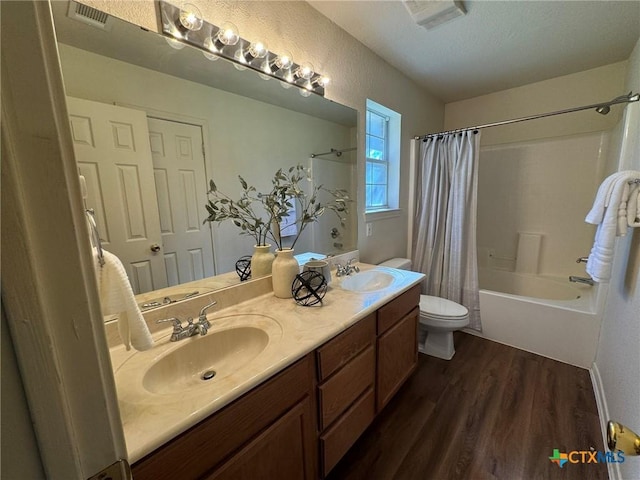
{"points": [[203, 311], [177, 324]]}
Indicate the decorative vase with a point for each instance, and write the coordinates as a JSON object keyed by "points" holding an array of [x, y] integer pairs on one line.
{"points": [[284, 271], [261, 261]]}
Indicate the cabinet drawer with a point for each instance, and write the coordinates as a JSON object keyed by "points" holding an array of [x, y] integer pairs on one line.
{"points": [[335, 442], [337, 352], [340, 391], [397, 308]]}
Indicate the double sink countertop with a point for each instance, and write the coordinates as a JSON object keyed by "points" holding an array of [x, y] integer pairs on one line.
{"points": [[161, 392]]}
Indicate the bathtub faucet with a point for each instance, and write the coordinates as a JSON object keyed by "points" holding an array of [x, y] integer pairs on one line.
{"points": [[586, 281]]}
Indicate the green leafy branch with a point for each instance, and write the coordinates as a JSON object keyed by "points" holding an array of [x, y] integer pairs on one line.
{"points": [[285, 192], [221, 207]]}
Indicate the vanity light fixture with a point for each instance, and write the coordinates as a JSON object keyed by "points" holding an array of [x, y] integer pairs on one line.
{"points": [[184, 25]]}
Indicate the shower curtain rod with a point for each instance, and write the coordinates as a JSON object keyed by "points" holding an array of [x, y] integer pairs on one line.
{"points": [[337, 153], [602, 108]]}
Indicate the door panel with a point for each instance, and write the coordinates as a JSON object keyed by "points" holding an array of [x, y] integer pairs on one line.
{"points": [[112, 148], [181, 186]]}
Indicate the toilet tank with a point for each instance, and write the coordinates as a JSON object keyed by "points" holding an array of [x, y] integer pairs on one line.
{"points": [[401, 263]]}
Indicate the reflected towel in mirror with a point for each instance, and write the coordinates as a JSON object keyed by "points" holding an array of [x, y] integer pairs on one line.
{"points": [[116, 297]]}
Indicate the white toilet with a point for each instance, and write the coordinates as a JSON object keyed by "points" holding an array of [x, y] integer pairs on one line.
{"points": [[439, 318]]}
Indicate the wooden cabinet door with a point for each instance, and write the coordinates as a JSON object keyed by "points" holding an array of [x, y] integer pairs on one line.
{"points": [[286, 450], [397, 357]]}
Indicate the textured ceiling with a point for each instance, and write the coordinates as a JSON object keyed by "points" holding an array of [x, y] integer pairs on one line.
{"points": [[496, 45]]}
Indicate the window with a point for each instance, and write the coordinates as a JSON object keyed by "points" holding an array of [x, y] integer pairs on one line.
{"points": [[383, 158]]}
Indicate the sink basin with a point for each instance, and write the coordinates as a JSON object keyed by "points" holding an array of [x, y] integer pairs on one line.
{"points": [[371, 280], [200, 361], [223, 351]]}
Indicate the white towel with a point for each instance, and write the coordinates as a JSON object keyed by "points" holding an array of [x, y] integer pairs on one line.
{"points": [[116, 297], [633, 207], [612, 198], [603, 197]]}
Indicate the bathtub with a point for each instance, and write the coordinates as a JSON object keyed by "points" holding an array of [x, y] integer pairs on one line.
{"points": [[546, 315]]}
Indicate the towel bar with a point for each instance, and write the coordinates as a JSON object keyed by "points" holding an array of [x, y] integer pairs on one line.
{"points": [[95, 235]]}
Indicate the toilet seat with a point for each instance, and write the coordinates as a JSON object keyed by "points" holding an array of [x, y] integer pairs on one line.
{"points": [[441, 308]]}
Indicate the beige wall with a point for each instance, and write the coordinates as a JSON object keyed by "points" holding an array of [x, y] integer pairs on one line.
{"points": [[357, 73], [582, 88], [618, 355]]}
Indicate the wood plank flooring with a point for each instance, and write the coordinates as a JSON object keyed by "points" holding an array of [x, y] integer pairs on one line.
{"points": [[493, 412]]}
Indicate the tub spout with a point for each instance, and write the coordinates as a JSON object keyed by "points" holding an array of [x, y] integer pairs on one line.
{"points": [[586, 281]]}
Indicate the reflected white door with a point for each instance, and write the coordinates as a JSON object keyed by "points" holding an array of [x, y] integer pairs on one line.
{"points": [[181, 186], [112, 149]]}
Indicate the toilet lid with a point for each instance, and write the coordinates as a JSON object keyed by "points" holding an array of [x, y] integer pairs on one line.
{"points": [[441, 307]]}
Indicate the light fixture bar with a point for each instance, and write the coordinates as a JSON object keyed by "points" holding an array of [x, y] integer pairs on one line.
{"points": [[269, 64]]}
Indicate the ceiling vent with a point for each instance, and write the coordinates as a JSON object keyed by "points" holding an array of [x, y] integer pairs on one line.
{"points": [[431, 13], [89, 15]]}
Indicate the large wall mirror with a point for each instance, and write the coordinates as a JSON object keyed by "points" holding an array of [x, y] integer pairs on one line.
{"points": [[152, 123]]}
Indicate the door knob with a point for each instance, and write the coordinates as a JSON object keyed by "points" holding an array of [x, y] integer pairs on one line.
{"points": [[621, 438], [155, 248]]}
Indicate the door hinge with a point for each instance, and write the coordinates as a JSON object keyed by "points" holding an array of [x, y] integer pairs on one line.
{"points": [[121, 470]]}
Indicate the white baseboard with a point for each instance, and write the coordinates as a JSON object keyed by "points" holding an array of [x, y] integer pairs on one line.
{"points": [[603, 413]]}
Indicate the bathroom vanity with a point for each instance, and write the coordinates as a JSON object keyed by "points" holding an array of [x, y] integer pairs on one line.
{"points": [[331, 370]]}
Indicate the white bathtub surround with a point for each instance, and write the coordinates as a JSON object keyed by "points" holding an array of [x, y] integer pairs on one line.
{"points": [[444, 246], [533, 187], [541, 314], [528, 254], [609, 212]]}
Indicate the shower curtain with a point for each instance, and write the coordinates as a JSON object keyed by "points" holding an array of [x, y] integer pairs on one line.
{"points": [[444, 244]]}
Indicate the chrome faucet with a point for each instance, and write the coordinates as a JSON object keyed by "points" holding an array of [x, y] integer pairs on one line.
{"points": [[585, 280], [201, 327], [347, 269]]}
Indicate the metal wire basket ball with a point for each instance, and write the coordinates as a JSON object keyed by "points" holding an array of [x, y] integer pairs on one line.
{"points": [[309, 288], [243, 267]]}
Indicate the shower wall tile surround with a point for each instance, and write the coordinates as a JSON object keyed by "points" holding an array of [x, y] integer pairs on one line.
{"points": [[541, 187]]}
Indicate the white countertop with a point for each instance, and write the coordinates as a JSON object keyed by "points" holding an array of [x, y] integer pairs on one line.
{"points": [[152, 419]]}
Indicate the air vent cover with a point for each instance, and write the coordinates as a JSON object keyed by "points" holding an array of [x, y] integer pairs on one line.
{"points": [[89, 15], [431, 13]]}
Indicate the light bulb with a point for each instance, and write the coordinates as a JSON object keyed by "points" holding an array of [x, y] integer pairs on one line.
{"points": [[190, 17], [323, 81], [255, 50], [305, 71], [228, 34], [282, 62]]}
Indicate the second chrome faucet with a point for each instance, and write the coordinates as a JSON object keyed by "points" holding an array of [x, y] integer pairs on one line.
{"points": [[201, 327]]}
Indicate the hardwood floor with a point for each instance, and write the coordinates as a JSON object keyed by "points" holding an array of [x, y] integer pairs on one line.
{"points": [[493, 412]]}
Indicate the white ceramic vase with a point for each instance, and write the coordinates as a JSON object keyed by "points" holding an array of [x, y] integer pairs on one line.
{"points": [[284, 271], [261, 261]]}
